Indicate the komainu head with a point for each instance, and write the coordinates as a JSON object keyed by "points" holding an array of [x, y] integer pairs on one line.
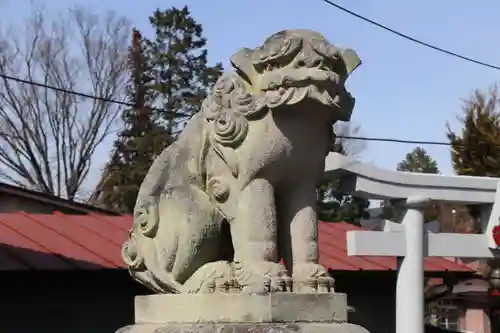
{"points": [[294, 65]]}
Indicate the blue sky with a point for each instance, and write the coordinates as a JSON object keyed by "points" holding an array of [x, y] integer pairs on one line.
{"points": [[403, 90]]}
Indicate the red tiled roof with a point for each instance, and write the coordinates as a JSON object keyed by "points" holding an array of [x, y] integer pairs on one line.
{"points": [[333, 254], [58, 242]]}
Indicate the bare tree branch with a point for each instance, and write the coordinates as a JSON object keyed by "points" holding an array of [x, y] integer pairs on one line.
{"points": [[48, 138]]}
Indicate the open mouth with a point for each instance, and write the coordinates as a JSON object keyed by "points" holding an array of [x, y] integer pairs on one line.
{"points": [[293, 92]]}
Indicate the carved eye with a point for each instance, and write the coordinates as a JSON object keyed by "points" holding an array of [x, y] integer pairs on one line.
{"points": [[271, 67], [317, 63], [301, 63], [333, 65]]}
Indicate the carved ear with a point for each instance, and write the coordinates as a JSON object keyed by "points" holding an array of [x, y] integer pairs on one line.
{"points": [[242, 62], [351, 60]]}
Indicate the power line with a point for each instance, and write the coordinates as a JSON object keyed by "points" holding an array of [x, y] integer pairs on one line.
{"points": [[433, 47], [76, 93], [360, 138], [391, 140], [72, 92], [416, 142]]}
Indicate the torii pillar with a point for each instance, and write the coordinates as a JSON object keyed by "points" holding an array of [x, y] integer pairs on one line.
{"points": [[411, 244]]}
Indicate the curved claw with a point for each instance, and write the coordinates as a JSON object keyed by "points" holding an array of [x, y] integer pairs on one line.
{"points": [[312, 278], [325, 284], [262, 288], [311, 285], [288, 284], [278, 284], [331, 284], [222, 286]]}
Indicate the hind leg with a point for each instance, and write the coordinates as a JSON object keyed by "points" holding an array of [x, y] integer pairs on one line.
{"points": [[198, 235], [175, 240]]}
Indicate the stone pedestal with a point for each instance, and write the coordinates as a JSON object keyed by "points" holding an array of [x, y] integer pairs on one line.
{"points": [[235, 313]]}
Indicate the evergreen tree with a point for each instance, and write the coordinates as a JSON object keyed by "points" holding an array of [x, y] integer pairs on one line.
{"points": [[333, 205], [170, 72], [179, 59], [476, 150], [415, 161], [418, 161], [138, 144]]}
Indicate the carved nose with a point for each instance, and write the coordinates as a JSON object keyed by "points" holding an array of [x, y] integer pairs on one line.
{"points": [[316, 62], [309, 63]]}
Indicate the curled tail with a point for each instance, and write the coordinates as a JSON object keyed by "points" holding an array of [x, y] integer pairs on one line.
{"points": [[150, 254], [140, 253]]}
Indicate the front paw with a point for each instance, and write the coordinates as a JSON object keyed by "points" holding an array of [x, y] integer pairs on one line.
{"points": [[269, 284], [312, 278], [315, 285], [263, 278], [281, 283]]}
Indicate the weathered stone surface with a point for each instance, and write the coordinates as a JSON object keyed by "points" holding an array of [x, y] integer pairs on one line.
{"points": [[241, 308], [251, 158], [246, 328]]}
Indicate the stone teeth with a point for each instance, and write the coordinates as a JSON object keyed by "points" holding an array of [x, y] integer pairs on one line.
{"points": [[325, 97], [298, 95]]}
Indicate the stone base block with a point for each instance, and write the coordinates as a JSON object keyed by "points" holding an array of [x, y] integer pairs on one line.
{"points": [[239, 313], [240, 308], [245, 328]]}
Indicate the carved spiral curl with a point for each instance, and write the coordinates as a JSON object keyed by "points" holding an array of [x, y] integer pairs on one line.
{"points": [[219, 189], [325, 49], [275, 98], [211, 109], [131, 255], [247, 104], [222, 90], [277, 47], [147, 220], [229, 128]]}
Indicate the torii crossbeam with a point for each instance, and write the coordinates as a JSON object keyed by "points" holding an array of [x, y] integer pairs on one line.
{"points": [[410, 241]]}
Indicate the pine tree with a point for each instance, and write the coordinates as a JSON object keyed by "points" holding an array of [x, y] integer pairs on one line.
{"points": [[418, 161], [171, 73], [415, 161], [179, 58], [476, 150], [138, 143]]}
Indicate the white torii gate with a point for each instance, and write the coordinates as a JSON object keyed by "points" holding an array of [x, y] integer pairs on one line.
{"points": [[409, 240]]}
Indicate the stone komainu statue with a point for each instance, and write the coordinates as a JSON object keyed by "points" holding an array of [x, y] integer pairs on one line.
{"points": [[250, 161]]}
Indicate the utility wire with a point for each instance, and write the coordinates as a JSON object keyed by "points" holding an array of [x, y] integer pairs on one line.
{"points": [[416, 142], [360, 138], [76, 93], [392, 140], [433, 47], [34, 83]]}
